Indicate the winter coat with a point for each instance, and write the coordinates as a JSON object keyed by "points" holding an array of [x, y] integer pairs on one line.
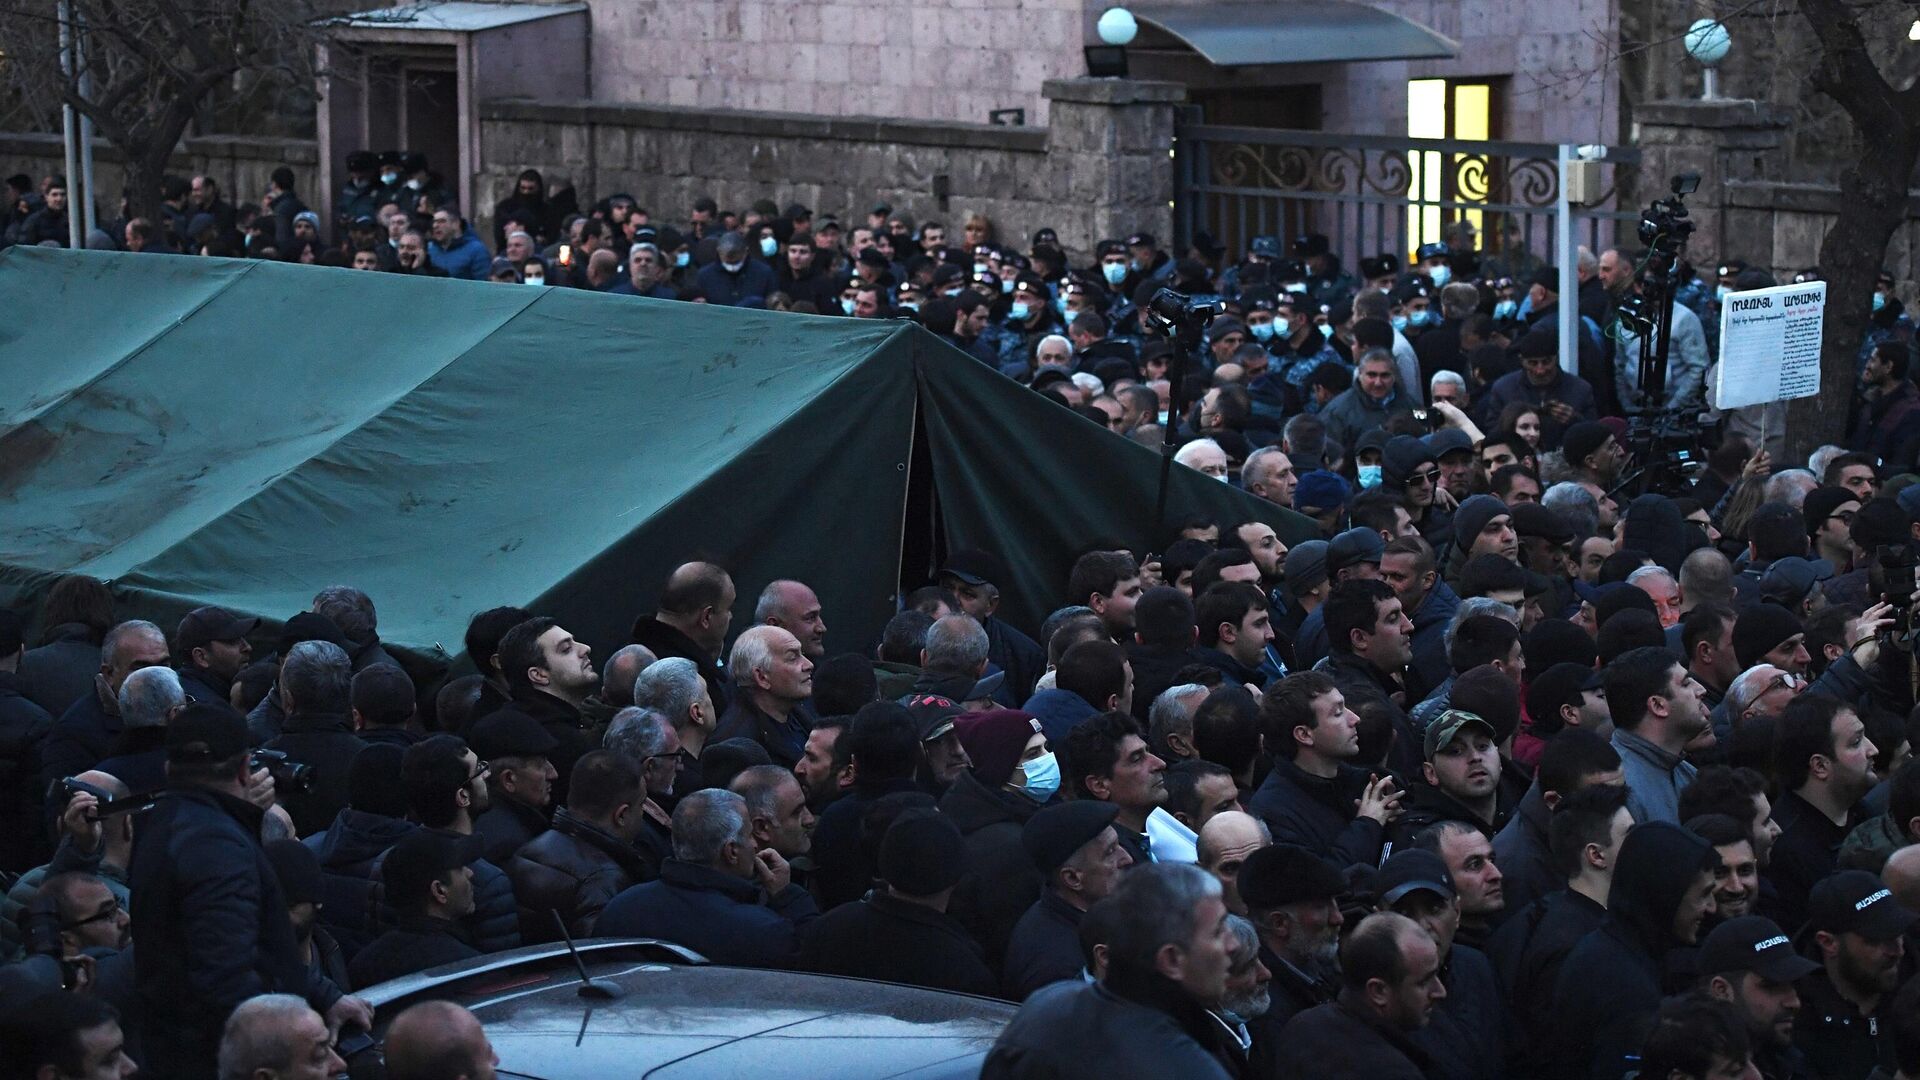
{"points": [[784, 738], [1611, 981], [893, 940], [212, 926], [1353, 413], [419, 942], [1575, 391], [1001, 882], [507, 826], [1044, 947], [755, 278], [326, 742], [23, 733], [1466, 1039], [574, 868], [1318, 813], [1058, 711], [1142, 1028], [1426, 804], [1335, 1042], [81, 738], [1870, 844], [843, 869], [576, 735], [494, 923], [1527, 953], [727, 919], [465, 258], [1430, 666], [1154, 668], [348, 851], [1013, 652], [61, 672], [665, 640], [1520, 851], [1360, 682]]}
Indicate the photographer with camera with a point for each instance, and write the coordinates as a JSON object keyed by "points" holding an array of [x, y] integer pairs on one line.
{"points": [[208, 909]]}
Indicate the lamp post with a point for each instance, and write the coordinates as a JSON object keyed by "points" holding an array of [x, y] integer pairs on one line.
{"points": [[1707, 41], [1117, 26], [1108, 60]]}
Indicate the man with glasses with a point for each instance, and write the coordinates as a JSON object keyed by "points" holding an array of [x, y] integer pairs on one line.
{"points": [[1829, 516], [1408, 465]]}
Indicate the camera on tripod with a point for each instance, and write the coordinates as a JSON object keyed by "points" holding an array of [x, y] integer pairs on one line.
{"points": [[1665, 224], [1177, 311], [288, 775]]}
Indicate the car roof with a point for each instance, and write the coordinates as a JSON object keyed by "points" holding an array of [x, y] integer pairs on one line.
{"points": [[680, 1017]]}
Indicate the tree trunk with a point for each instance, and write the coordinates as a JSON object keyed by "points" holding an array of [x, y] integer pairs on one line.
{"points": [[1873, 202]]}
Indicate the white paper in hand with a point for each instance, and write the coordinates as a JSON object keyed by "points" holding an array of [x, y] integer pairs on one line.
{"points": [[1770, 345]]}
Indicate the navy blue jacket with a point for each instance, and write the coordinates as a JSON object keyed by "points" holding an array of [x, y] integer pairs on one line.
{"points": [[212, 925], [1045, 947], [348, 851], [1318, 813], [1430, 666], [728, 920], [728, 290]]}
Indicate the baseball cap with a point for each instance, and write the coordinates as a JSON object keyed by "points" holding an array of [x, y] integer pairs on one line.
{"points": [[1412, 871], [206, 732], [1285, 874], [1855, 902], [1353, 547], [933, 715], [510, 733], [1447, 441], [1266, 247], [1753, 943], [1788, 580], [1449, 725], [1140, 239], [1056, 832], [204, 625]]}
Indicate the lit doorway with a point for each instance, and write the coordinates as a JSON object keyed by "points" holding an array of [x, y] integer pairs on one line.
{"points": [[1466, 110]]}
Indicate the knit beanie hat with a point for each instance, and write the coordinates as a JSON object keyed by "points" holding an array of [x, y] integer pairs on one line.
{"points": [[994, 741], [922, 854]]}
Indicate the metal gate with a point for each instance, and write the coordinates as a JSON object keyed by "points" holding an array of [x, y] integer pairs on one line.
{"points": [[1371, 195]]}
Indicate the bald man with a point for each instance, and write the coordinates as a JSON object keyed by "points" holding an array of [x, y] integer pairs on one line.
{"points": [[696, 608], [1902, 876], [438, 1040], [1225, 842], [618, 675], [793, 607]]}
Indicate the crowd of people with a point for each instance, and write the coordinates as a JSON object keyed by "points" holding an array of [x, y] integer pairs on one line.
{"points": [[1528, 763]]}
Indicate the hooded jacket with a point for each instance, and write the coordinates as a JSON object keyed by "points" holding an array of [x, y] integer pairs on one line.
{"points": [[348, 850], [1611, 981], [1001, 882], [1528, 952]]}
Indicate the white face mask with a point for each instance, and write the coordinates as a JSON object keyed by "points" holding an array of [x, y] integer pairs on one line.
{"points": [[535, 279], [732, 268]]}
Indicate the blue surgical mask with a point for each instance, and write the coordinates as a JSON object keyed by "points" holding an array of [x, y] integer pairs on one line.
{"points": [[1439, 275], [1297, 288], [1263, 331], [1420, 318], [1282, 327], [389, 178], [846, 305], [1879, 300], [683, 258], [1400, 322], [769, 246], [1526, 306], [953, 292], [1115, 273], [1043, 776], [1505, 309], [1326, 330], [1018, 312], [910, 305], [979, 268], [1370, 476], [1060, 304], [1720, 292], [1006, 285]]}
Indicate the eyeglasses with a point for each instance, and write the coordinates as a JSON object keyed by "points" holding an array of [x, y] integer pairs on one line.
{"points": [[1845, 517], [480, 769], [112, 910], [1787, 679], [1424, 479]]}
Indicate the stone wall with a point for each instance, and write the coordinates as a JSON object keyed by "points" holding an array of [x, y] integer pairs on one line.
{"points": [[241, 164], [1100, 169]]}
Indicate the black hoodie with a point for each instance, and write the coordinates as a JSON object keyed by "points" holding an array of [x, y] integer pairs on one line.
{"points": [[1611, 983]]}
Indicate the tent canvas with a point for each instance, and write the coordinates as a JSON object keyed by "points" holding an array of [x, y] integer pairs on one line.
{"points": [[198, 430]]}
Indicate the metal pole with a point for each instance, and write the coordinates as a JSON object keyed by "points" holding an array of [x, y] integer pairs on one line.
{"points": [[1569, 310], [68, 135], [90, 206]]}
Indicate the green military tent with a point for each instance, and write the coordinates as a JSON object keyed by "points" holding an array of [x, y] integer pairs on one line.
{"points": [[215, 431]]}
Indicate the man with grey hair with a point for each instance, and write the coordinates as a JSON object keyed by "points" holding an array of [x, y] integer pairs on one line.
{"points": [[953, 664], [352, 611], [674, 687], [1170, 720], [617, 677], [147, 700], [1268, 473], [85, 733], [1575, 506], [277, 1037], [648, 737], [1448, 386], [772, 677], [1790, 487], [1203, 456], [793, 607], [315, 688], [717, 895], [646, 274]]}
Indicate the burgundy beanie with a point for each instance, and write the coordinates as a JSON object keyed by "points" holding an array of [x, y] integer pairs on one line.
{"points": [[994, 741]]}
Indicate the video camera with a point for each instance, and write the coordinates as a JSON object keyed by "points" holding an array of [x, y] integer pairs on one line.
{"points": [[288, 775], [1178, 311], [68, 787]]}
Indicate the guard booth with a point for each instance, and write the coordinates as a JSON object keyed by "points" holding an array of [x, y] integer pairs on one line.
{"points": [[411, 78]]}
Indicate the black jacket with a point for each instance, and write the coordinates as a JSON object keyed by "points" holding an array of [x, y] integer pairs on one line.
{"points": [[1017, 655], [1292, 992], [494, 924], [728, 920], [80, 738], [665, 641], [1335, 1042], [23, 732], [61, 672], [1807, 850], [199, 684], [576, 734], [1230, 669], [883, 937], [573, 868], [326, 742], [785, 739], [507, 826], [843, 869], [1426, 804], [1359, 681], [419, 942], [1612, 980], [212, 926], [1318, 813], [1466, 1039], [1835, 1038], [1001, 882], [1154, 669], [1140, 1027], [1520, 850], [348, 852], [1044, 947], [1527, 953]]}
